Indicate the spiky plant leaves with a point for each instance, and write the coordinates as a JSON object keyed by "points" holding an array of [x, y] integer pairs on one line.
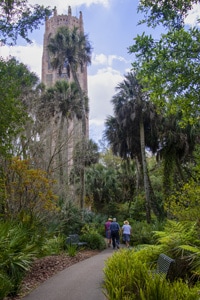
{"points": [[72, 250], [127, 276], [18, 248], [5, 285]]}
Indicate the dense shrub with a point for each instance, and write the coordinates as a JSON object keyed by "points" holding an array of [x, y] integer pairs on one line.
{"points": [[94, 240], [142, 233], [5, 285], [14, 259], [54, 245], [19, 245], [128, 276]]}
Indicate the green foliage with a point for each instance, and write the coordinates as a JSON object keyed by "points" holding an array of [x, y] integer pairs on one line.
{"points": [[180, 240], [5, 285], [169, 13], [72, 219], [137, 209], [91, 156], [130, 273], [102, 186], [54, 245], [72, 250], [94, 240], [127, 276], [183, 204], [18, 18], [15, 79], [97, 226], [142, 233], [18, 248], [109, 183], [168, 68], [157, 288], [177, 234]]}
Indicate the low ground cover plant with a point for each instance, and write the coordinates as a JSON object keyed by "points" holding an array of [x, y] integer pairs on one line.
{"points": [[128, 276], [130, 273]]}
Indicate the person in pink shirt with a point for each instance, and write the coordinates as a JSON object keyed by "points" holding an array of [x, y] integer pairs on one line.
{"points": [[107, 231]]}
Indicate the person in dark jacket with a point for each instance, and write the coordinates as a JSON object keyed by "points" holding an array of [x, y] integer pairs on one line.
{"points": [[114, 231]]}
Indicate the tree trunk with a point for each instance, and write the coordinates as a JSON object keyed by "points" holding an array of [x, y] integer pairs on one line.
{"points": [[145, 172], [82, 167], [60, 150]]}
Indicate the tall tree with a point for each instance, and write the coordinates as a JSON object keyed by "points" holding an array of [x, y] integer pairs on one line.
{"points": [[176, 149], [15, 82], [18, 18], [169, 67], [134, 115], [66, 96], [170, 13], [70, 48]]}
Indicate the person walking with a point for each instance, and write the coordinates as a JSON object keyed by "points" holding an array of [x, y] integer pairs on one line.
{"points": [[107, 231], [126, 233], [114, 230]]}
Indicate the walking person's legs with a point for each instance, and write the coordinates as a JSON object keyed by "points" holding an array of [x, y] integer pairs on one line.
{"points": [[128, 241], [113, 240], [117, 239], [108, 236]]}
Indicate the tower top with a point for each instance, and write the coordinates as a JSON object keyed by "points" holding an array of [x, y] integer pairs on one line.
{"points": [[55, 21], [55, 11]]}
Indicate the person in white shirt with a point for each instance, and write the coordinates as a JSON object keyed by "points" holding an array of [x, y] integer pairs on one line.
{"points": [[126, 233]]}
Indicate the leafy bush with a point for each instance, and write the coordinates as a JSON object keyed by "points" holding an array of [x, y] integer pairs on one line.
{"points": [[5, 285], [72, 250], [71, 218], [94, 240], [142, 233], [54, 245], [157, 287], [128, 276], [19, 245]]}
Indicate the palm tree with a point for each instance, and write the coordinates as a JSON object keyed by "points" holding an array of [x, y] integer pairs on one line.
{"points": [[66, 95], [70, 49], [176, 148], [134, 119], [56, 118]]}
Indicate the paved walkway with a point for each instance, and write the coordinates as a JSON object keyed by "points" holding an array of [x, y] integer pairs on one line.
{"points": [[81, 281]]}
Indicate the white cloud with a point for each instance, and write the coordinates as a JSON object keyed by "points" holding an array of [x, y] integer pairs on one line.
{"points": [[30, 55], [193, 15], [99, 59], [101, 88], [62, 6], [102, 59], [111, 58]]}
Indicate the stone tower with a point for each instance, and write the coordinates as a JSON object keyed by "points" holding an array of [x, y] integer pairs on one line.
{"points": [[50, 76], [69, 131]]}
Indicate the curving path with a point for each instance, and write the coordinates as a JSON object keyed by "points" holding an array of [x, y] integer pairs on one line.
{"points": [[81, 281]]}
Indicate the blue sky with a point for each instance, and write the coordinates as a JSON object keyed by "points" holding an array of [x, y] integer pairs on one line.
{"points": [[111, 26]]}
